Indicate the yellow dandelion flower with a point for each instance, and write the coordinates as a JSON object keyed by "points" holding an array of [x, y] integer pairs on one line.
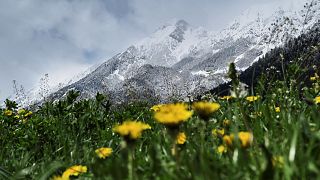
{"points": [[74, 171], [228, 139], [252, 98], [317, 100], [222, 149], [218, 132], [28, 114], [226, 123], [21, 111], [156, 108], [131, 129], [172, 114], [277, 109], [313, 78], [226, 98], [277, 161], [103, 152], [181, 138], [205, 109], [246, 139], [8, 112]]}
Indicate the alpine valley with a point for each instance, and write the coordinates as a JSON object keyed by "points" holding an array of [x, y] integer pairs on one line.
{"points": [[178, 60]]}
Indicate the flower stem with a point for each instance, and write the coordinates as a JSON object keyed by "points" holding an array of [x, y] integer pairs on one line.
{"points": [[130, 164], [203, 125]]}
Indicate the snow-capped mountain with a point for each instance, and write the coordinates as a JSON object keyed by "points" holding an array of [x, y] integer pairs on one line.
{"points": [[179, 60]]}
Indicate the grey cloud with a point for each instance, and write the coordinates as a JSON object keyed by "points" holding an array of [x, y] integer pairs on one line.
{"points": [[119, 8]]}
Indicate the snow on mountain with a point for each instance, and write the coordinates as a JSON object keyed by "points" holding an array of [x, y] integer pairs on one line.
{"points": [[271, 30], [169, 44], [179, 60], [44, 89], [204, 73]]}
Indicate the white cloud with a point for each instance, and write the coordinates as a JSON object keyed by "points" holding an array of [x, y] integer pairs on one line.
{"points": [[55, 37]]}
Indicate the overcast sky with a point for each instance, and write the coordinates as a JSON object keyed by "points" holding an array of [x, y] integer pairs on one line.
{"points": [[65, 37]]}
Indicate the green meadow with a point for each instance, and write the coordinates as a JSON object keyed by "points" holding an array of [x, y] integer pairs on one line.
{"points": [[255, 134]]}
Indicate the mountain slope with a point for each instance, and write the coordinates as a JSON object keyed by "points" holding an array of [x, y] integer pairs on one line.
{"points": [[179, 60], [295, 62]]}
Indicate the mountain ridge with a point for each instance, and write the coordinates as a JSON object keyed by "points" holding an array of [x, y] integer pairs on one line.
{"points": [[196, 57]]}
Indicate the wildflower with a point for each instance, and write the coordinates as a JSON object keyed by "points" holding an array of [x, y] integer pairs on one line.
{"points": [[205, 109], [131, 129], [103, 152], [239, 91], [277, 109], [74, 171], [21, 111], [156, 108], [252, 98], [172, 114], [313, 78], [226, 123], [317, 100], [17, 117], [218, 132], [181, 138], [226, 98], [277, 161], [222, 149], [245, 138], [28, 114], [8, 112], [227, 139]]}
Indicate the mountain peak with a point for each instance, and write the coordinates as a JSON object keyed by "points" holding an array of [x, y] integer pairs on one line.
{"points": [[174, 29], [182, 24], [176, 23], [180, 27]]}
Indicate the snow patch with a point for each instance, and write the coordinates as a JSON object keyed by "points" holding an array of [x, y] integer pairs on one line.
{"points": [[116, 73], [239, 58], [221, 71], [214, 51], [201, 73]]}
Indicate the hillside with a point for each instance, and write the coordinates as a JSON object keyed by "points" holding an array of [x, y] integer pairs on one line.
{"points": [[191, 60], [295, 62]]}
